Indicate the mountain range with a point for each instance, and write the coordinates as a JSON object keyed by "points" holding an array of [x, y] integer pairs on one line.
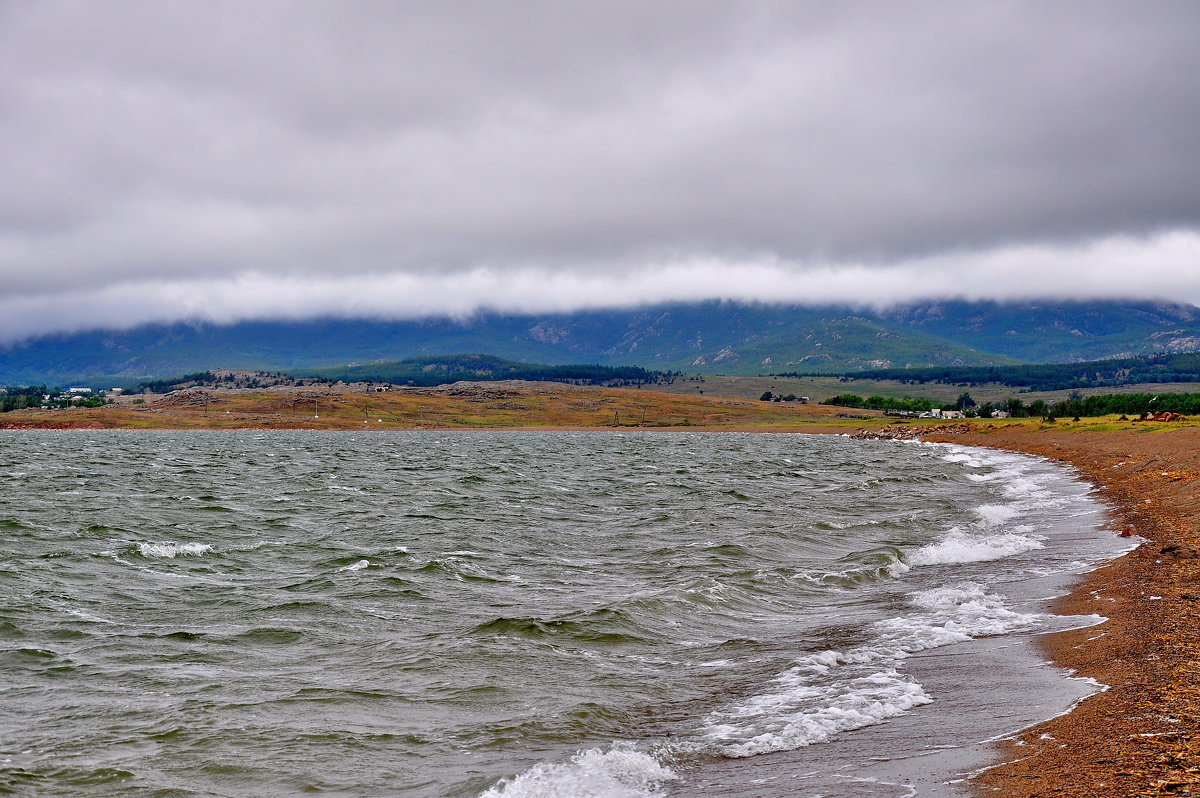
{"points": [[708, 337]]}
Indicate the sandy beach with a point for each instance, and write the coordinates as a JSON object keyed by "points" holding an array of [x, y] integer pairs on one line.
{"points": [[1138, 737]]}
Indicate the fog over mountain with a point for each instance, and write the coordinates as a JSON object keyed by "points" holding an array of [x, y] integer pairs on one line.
{"points": [[278, 160], [694, 338]]}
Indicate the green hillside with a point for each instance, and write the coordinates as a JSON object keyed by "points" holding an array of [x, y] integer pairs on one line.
{"points": [[1142, 369], [455, 368]]}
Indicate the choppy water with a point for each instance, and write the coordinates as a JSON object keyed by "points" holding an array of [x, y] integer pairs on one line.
{"points": [[500, 614]]}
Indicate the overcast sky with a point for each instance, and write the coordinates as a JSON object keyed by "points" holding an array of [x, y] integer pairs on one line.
{"points": [[168, 160]]}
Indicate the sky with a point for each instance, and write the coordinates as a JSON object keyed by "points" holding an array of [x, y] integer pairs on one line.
{"points": [[164, 160]]}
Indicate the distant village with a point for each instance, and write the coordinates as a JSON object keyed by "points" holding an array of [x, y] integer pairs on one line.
{"points": [[945, 414], [40, 396]]}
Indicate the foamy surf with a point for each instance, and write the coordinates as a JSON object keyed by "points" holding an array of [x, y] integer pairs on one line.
{"points": [[801, 712], [952, 614], [993, 535], [172, 550], [962, 547], [830, 692], [620, 772]]}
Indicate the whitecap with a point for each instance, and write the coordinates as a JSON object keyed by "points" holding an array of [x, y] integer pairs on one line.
{"points": [[620, 772], [800, 714], [966, 457], [358, 566], [953, 614], [996, 514], [172, 550], [829, 692], [960, 547]]}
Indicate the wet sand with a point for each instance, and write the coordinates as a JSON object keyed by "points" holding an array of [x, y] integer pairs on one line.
{"points": [[1141, 736]]}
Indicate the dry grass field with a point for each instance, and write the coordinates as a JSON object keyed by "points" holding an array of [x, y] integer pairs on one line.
{"points": [[503, 405], [820, 388], [458, 406]]}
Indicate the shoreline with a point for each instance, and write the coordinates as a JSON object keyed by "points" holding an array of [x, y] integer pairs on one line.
{"points": [[1140, 735]]}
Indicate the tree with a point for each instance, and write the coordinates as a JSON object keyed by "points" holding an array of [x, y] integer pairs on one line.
{"points": [[766, 397], [1015, 408], [965, 401]]}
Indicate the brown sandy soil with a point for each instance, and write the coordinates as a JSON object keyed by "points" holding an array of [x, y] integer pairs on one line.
{"points": [[1141, 736]]}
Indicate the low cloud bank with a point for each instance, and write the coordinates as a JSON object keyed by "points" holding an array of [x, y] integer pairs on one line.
{"points": [[1163, 266]]}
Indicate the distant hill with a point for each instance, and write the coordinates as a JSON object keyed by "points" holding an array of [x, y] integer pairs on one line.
{"points": [[1058, 332], [708, 337], [444, 369], [421, 372]]}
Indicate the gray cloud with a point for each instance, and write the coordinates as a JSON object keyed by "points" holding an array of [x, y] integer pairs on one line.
{"points": [[274, 146]]}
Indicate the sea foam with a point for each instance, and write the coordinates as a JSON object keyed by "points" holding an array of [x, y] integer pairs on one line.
{"points": [[982, 541], [996, 514], [800, 713], [829, 692], [952, 614], [172, 550], [620, 772], [961, 547]]}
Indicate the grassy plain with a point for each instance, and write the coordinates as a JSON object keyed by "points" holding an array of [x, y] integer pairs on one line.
{"points": [[509, 405], [820, 388], [459, 406], [502, 405]]}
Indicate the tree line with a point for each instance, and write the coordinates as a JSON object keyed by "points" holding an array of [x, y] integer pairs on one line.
{"points": [[442, 369], [1130, 404], [1077, 406], [881, 403], [1108, 373]]}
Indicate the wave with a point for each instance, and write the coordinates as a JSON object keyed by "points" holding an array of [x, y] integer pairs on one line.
{"points": [[265, 635], [996, 514], [829, 692], [599, 626], [1022, 491], [172, 550], [952, 614], [885, 562], [961, 547], [461, 570], [620, 772]]}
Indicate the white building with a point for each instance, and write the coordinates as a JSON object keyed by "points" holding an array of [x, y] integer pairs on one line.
{"points": [[943, 414]]}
